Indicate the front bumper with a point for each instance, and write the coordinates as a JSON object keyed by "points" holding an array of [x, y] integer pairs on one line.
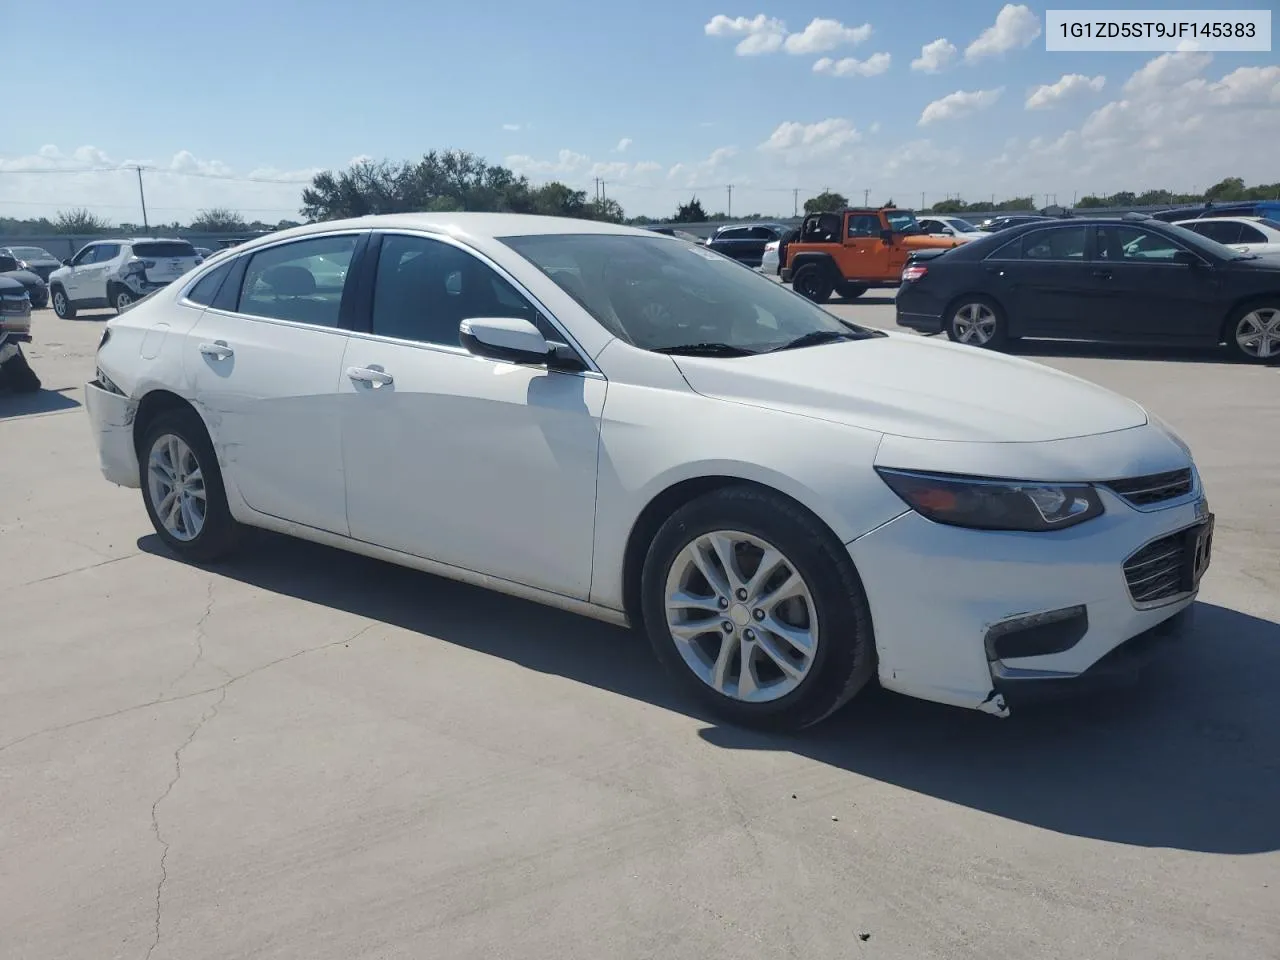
{"points": [[111, 416], [936, 593]]}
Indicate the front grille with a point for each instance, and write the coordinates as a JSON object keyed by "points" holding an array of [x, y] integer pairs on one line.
{"points": [[1153, 488], [1155, 571]]}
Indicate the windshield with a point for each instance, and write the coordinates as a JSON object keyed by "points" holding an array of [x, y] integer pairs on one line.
{"points": [[964, 226], [665, 294], [902, 221], [32, 253], [1204, 245]]}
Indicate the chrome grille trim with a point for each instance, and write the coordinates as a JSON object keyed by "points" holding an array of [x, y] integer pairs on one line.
{"points": [[1154, 488]]}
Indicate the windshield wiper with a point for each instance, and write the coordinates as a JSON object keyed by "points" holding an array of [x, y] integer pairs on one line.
{"points": [[817, 337], [706, 350]]}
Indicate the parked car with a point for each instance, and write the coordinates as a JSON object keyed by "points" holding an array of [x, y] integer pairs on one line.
{"points": [[770, 264], [745, 242], [852, 251], [204, 252], [996, 224], [673, 232], [16, 374], [948, 226], [117, 273], [1230, 208], [1132, 279], [508, 401], [36, 259], [37, 289], [1246, 234]]}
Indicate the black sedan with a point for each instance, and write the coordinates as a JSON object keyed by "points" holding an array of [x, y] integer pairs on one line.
{"points": [[996, 224], [1121, 280], [36, 288], [36, 259], [745, 242]]}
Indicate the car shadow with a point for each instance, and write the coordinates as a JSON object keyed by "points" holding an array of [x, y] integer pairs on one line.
{"points": [[867, 300], [1110, 351], [1189, 758], [14, 405]]}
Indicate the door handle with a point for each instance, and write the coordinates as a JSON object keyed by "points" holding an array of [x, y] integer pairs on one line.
{"points": [[1104, 274], [218, 350], [375, 378]]}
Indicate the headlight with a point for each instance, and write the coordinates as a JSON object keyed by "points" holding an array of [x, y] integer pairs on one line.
{"points": [[984, 504]]}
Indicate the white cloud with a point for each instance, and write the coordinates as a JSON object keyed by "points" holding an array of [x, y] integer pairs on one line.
{"points": [[511, 127], [807, 141], [1071, 85], [875, 127], [935, 57], [1167, 70], [875, 64], [692, 174], [822, 35], [962, 103], [760, 34], [566, 162], [176, 188], [622, 145], [1015, 27]]}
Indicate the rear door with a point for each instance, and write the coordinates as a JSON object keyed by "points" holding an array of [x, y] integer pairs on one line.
{"points": [[1042, 278], [265, 360], [1144, 292], [164, 261]]}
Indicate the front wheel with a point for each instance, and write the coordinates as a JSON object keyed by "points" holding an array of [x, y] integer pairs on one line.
{"points": [[18, 376], [62, 305], [756, 608], [977, 321], [122, 298], [1253, 333], [813, 283], [182, 488]]}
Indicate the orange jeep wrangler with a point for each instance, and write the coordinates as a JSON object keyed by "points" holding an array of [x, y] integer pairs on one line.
{"points": [[851, 251]]}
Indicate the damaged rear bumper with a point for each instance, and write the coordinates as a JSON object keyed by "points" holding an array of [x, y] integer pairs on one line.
{"points": [[111, 416]]}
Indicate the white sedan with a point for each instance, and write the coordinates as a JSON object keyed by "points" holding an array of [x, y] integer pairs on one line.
{"points": [[1245, 234], [949, 226], [638, 429]]}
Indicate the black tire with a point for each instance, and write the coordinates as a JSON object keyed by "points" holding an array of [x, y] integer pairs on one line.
{"points": [[845, 656], [121, 297], [220, 533], [959, 313], [1232, 328], [18, 376], [813, 282], [62, 304], [852, 291]]}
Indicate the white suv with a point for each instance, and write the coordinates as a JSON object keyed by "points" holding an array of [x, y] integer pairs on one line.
{"points": [[116, 273]]}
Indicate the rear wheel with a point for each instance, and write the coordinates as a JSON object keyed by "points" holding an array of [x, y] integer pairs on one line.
{"points": [[813, 282], [757, 609], [182, 488], [62, 304], [121, 298], [977, 321], [1253, 333]]}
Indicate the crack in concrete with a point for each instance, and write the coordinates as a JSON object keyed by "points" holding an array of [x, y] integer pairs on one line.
{"points": [[160, 701], [67, 573], [200, 637]]}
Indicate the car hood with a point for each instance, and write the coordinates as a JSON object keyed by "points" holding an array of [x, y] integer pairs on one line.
{"points": [[43, 262], [924, 241], [909, 386]]}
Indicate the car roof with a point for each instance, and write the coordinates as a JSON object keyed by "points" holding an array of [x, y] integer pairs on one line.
{"points": [[1219, 219]]}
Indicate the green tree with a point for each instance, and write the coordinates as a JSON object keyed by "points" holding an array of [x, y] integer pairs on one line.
{"points": [[691, 212], [219, 220], [826, 201], [78, 221], [1232, 188], [952, 206]]}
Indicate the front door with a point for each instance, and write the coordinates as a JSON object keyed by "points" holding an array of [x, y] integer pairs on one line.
{"points": [[265, 365], [80, 265], [1146, 293], [866, 254], [91, 279], [480, 464]]}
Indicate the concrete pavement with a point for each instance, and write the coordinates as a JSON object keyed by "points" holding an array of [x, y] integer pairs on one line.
{"points": [[309, 754]]}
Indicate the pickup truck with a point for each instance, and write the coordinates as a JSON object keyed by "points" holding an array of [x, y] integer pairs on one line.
{"points": [[851, 251]]}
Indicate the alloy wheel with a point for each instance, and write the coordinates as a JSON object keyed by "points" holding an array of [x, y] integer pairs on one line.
{"points": [[1258, 333], [975, 323], [176, 487], [122, 301], [59, 302], [741, 616]]}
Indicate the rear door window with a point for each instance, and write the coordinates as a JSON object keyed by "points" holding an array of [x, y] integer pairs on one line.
{"points": [[301, 281], [1056, 243], [1251, 234]]}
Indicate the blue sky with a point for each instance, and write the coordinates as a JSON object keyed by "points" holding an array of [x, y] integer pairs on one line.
{"points": [[661, 100]]}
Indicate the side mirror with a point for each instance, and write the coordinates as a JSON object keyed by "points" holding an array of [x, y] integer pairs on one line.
{"points": [[1186, 258], [886, 236], [504, 338], [66, 262]]}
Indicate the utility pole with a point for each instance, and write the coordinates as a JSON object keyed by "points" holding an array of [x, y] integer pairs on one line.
{"points": [[921, 199], [729, 211], [795, 202], [143, 197]]}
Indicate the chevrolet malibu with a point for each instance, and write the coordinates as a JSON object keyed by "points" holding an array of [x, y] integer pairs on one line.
{"points": [[638, 429]]}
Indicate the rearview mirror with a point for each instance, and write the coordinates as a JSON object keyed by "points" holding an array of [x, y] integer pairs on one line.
{"points": [[504, 338], [66, 263]]}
